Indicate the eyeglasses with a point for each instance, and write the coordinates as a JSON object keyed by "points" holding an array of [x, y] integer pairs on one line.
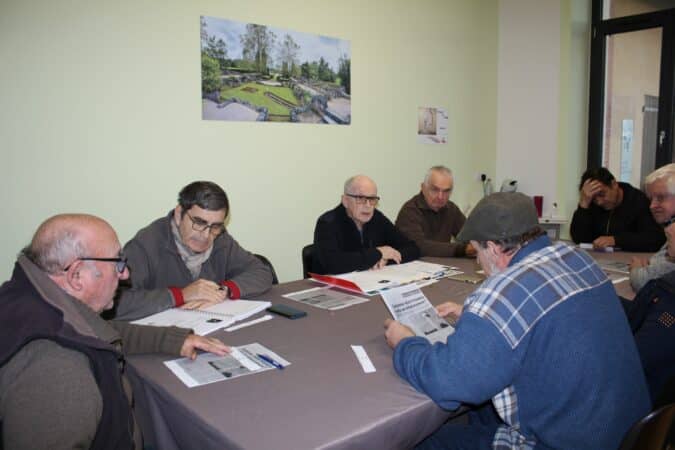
{"points": [[201, 225], [660, 198], [363, 199], [120, 262]]}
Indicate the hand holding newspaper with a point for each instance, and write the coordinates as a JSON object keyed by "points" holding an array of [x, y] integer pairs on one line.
{"points": [[408, 305]]}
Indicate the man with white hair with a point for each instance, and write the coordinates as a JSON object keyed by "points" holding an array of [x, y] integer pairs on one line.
{"points": [[356, 236], [431, 220], [660, 187], [544, 338], [62, 367]]}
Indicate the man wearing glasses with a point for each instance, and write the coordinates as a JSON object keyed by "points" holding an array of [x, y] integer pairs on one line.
{"points": [[62, 371], [356, 236], [187, 258], [660, 187], [431, 220]]}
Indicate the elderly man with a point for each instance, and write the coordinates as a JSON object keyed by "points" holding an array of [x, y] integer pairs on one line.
{"points": [[539, 337], [188, 259], [356, 236], [660, 187], [612, 214], [431, 220], [62, 372]]}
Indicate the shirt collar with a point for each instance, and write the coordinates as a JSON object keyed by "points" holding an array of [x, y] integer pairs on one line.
{"points": [[531, 247]]}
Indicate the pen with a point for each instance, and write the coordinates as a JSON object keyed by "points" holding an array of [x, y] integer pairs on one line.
{"points": [[269, 360]]}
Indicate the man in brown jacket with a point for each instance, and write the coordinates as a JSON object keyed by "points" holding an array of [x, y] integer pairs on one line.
{"points": [[431, 220], [62, 370]]}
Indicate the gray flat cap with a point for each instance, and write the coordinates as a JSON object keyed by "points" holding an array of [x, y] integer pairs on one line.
{"points": [[500, 216]]}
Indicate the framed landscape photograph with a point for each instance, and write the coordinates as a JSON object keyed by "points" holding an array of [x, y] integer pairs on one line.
{"points": [[253, 72]]}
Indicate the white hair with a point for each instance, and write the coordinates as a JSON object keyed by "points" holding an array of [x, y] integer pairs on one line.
{"points": [[440, 169], [665, 173]]}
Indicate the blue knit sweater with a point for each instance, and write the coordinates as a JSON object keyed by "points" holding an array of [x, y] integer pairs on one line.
{"points": [[546, 340]]}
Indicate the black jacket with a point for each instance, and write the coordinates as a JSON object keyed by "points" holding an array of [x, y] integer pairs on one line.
{"points": [[631, 223], [651, 315], [340, 248]]}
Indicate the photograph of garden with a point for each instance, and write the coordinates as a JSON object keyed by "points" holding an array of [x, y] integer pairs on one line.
{"points": [[260, 73]]}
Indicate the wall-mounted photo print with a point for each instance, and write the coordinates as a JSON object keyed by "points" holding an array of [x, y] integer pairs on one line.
{"points": [[432, 125], [261, 73]]}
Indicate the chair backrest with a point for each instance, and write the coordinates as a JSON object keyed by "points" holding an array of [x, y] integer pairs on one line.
{"points": [[654, 432], [267, 262], [307, 256]]}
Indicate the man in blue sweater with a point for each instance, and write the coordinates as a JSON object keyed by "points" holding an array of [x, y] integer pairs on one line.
{"points": [[544, 337]]}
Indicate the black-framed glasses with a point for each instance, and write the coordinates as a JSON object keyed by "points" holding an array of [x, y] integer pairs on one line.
{"points": [[363, 199], [120, 262], [201, 225]]}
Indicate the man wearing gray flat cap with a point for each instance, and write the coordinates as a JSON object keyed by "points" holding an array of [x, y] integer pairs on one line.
{"points": [[541, 349]]}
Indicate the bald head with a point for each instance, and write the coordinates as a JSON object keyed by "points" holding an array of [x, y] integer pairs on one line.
{"points": [[65, 237], [360, 199], [360, 183]]}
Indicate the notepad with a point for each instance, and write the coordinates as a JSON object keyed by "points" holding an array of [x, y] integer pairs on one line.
{"points": [[207, 320]]}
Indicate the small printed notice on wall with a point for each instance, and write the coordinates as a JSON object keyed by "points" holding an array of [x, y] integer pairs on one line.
{"points": [[432, 125]]}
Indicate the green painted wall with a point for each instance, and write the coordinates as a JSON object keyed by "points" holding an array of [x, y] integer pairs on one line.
{"points": [[101, 114]]}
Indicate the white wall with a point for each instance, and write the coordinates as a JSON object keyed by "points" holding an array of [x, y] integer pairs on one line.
{"points": [[101, 113], [528, 96]]}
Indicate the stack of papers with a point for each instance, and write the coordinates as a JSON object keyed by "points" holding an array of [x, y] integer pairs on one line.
{"points": [[207, 320], [371, 282]]}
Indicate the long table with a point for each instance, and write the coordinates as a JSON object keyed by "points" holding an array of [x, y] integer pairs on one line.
{"points": [[323, 400]]}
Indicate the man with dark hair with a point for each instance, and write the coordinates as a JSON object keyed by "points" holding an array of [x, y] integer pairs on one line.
{"points": [[538, 338], [62, 368], [356, 236], [613, 214], [431, 219], [188, 259]]}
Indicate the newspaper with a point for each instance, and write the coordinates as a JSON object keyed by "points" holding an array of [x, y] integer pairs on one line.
{"points": [[409, 305], [209, 368], [325, 297], [372, 282], [615, 266]]}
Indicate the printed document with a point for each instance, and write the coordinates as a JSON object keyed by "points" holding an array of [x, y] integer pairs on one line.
{"points": [[409, 305], [207, 320], [326, 297], [372, 282], [209, 368]]}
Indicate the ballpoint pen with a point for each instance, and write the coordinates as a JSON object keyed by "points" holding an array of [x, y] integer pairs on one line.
{"points": [[269, 360]]}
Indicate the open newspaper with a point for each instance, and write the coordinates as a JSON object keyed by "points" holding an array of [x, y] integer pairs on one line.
{"points": [[209, 368], [326, 297], [372, 282], [207, 320], [409, 305]]}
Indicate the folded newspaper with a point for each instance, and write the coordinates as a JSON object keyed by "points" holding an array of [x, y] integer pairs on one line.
{"points": [[408, 305]]}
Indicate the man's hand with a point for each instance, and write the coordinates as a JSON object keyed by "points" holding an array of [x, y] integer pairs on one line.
{"points": [[637, 262], [588, 190], [395, 331], [380, 264], [198, 304], [469, 250], [194, 342], [603, 242], [453, 310], [204, 290], [390, 254]]}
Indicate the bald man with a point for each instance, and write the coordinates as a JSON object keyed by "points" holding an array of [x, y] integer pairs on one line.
{"points": [[62, 371], [356, 236]]}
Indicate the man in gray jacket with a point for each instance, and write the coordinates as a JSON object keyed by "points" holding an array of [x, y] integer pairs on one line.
{"points": [[62, 368], [660, 188], [187, 258]]}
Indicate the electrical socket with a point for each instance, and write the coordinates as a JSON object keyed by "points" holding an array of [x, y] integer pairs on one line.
{"points": [[479, 176]]}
